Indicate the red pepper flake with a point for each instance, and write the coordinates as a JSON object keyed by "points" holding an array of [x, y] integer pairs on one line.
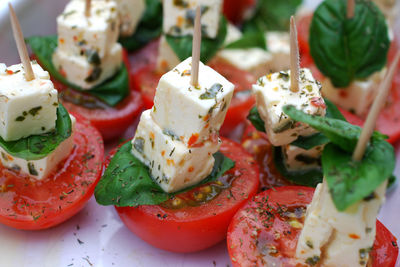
{"points": [[152, 135], [10, 72], [343, 93], [170, 162], [193, 139], [186, 73], [75, 38], [163, 153], [354, 236], [63, 73], [191, 168], [318, 102], [206, 117]]}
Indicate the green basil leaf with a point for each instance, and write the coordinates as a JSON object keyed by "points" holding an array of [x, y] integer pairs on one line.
{"points": [[182, 46], [36, 147], [351, 181], [347, 49], [112, 91], [311, 177], [148, 29], [255, 119], [127, 181], [272, 15], [249, 40], [337, 131]]}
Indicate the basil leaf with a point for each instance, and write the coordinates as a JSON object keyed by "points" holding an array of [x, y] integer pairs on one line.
{"points": [[271, 15], [182, 46], [310, 177], [148, 29], [255, 119], [249, 40], [127, 181], [339, 132], [351, 181], [347, 49], [112, 91], [36, 147]]}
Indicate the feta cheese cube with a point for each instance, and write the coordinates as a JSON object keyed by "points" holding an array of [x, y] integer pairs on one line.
{"points": [[26, 107], [173, 165], [86, 72], [233, 34], [297, 158], [278, 45], [273, 92], [358, 97], [78, 33], [343, 235], [41, 168], [195, 114], [253, 60], [167, 59], [179, 17], [130, 14]]}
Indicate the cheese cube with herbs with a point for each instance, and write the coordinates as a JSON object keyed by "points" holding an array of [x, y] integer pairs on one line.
{"points": [[172, 164], [78, 34], [179, 17], [345, 237], [167, 59], [41, 168], [273, 92], [297, 158], [88, 70], [194, 113], [130, 14], [358, 97], [26, 107], [278, 45]]}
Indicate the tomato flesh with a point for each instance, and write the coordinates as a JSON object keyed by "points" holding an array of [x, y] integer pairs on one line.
{"points": [[33, 205], [190, 228], [234, 10], [266, 229]]}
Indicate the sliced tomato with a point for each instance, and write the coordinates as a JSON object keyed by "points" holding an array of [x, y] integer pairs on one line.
{"points": [[33, 205], [303, 29], [257, 144], [195, 225], [234, 10], [242, 100], [146, 79], [265, 230]]}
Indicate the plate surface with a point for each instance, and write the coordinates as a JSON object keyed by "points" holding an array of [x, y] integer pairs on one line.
{"points": [[96, 236]]}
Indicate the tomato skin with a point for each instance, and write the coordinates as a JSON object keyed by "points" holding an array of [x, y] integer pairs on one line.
{"points": [[190, 229], [146, 80], [242, 246], [235, 9], [37, 205], [303, 29]]}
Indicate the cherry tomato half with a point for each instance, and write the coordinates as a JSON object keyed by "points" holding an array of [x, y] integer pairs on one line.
{"points": [[266, 230], [187, 224], [234, 10], [33, 205]]}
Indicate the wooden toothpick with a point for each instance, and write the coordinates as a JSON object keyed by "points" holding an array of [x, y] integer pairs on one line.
{"points": [[196, 48], [351, 4], [294, 57], [87, 8], [19, 40], [377, 106]]}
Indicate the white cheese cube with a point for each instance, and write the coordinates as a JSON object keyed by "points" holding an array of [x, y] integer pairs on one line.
{"points": [[41, 168], [358, 96], [273, 93], [26, 107], [84, 72], [167, 59], [297, 158], [344, 236], [130, 14], [195, 114], [179, 17], [78, 33], [278, 45], [173, 165], [233, 34], [253, 60]]}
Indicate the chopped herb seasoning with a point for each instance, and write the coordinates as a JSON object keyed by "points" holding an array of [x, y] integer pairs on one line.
{"points": [[138, 144], [92, 56], [34, 111], [20, 118], [312, 260], [284, 76], [212, 92], [32, 170], [94, 75]]}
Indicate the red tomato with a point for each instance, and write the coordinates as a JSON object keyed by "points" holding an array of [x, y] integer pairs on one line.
{"points": [[242, 100], [260, 232], [234, 10], [257, 144], [303, 29], [34, 205], [146, 79], [195, 227]]}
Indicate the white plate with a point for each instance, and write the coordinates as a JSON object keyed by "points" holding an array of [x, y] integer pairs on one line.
{"points": [[96, 236]]}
